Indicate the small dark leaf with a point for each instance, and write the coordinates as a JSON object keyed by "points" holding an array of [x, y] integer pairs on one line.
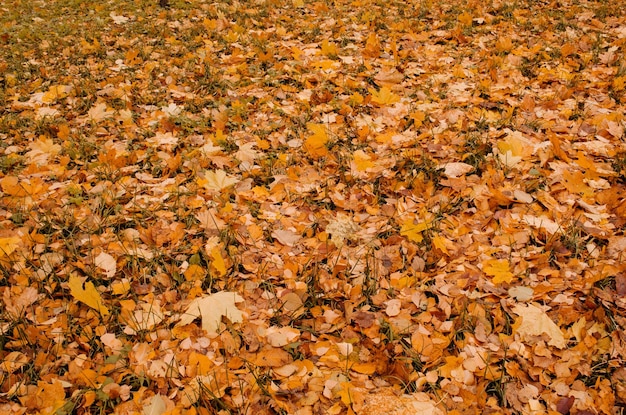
{"points": [[620, 284], [565, 404]]}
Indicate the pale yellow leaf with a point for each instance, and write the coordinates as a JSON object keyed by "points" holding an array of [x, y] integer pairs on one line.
{"points": [[281, 336], [455, 169], [217, 180], [211, 309], [99, 112], [393, 307], [106, 263], [535, 322], [521, 293], [286, 237], [41, 150], [157, 406]]}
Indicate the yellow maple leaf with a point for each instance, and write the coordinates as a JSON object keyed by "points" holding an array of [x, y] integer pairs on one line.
{"points": [[384, 96], [100, 111], [315, 145], [465, 19], [88, 295], [42, 150], [574, 183], [328, 48], [513, 149], [362, 161], [56, 92], [356, 99], [413, 231], [504, 44], [499, 270]]}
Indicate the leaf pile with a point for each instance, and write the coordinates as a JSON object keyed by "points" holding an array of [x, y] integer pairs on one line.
{"points": [[301, 207]]}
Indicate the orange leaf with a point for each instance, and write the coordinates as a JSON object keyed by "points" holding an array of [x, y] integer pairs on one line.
{"points": [[366, 368], [272, 357]]}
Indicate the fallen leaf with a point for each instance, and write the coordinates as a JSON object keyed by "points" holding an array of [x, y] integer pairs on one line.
{"points": [[315, 145], [211, 309], [454, 170], [521, 293], [157, 406], [564, 404], [535, 322], [106, 263], [286, 237], [384, 96], [499, 270], [413, 231], [9, 245], [388, 402], [88, 295], [217, 180]]}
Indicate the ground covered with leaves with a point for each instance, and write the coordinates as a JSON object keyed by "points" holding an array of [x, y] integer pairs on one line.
{"points": [[297, 207]]}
